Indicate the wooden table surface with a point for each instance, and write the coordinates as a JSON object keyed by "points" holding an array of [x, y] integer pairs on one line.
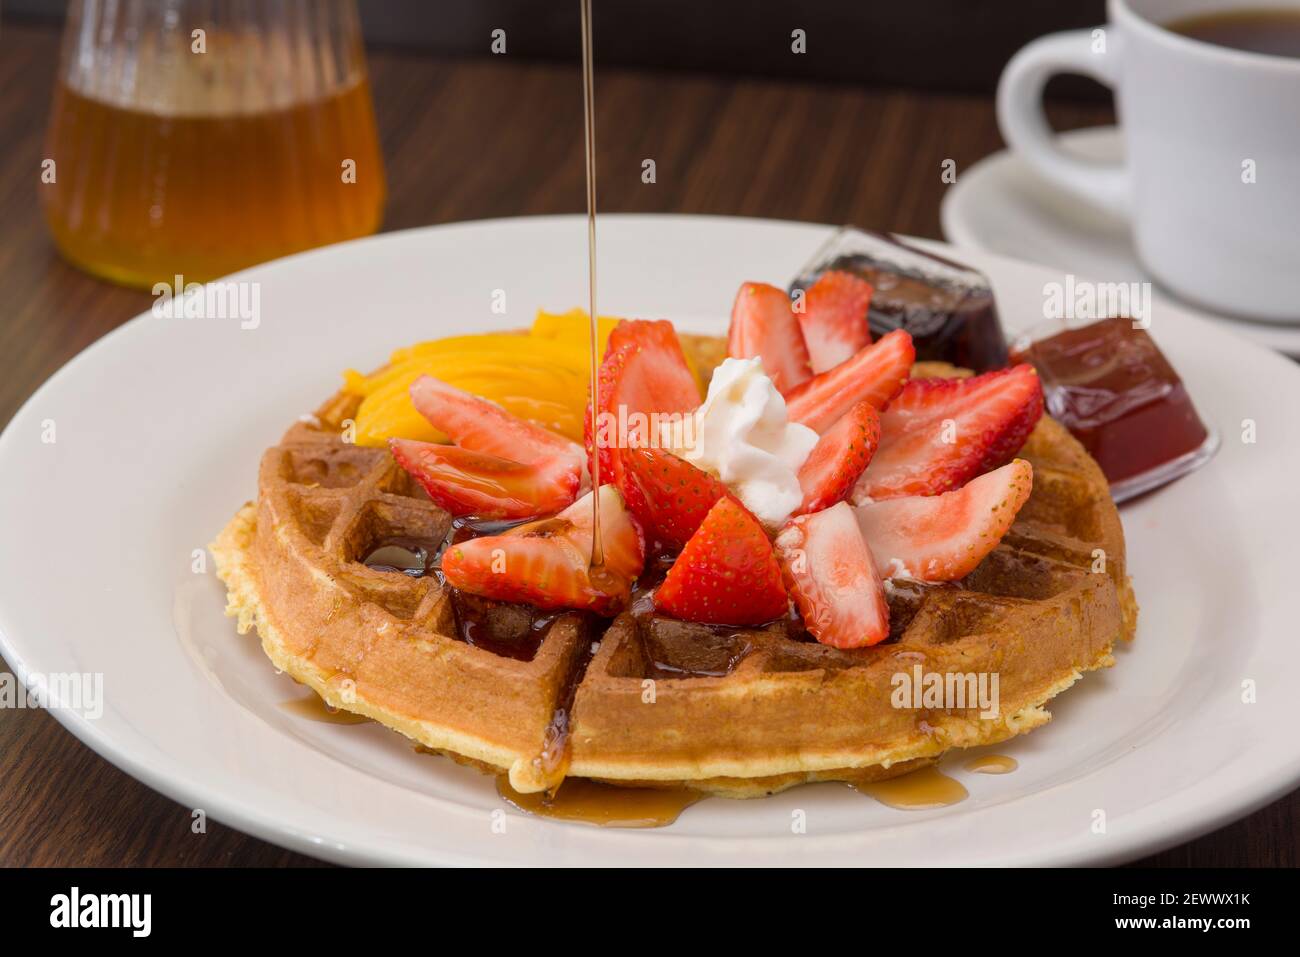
{"points": [[469, 139]]}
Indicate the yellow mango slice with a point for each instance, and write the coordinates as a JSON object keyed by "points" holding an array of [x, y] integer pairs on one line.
{"points": [[572, 325], [540, 375]]}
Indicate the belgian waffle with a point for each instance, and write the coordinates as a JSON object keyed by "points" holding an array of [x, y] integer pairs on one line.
{"points": [[647, 700]]}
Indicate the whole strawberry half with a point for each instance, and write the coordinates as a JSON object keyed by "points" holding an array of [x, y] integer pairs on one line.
{"points": [[674, 496], [943, 537], [727, 574], [938, 434]]}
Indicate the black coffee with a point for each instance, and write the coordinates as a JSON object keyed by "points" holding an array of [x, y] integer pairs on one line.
{"points": [[1263, 30]]}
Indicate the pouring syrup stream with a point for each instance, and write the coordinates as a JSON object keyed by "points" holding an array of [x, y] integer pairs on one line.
{"points": [[588, 99]]}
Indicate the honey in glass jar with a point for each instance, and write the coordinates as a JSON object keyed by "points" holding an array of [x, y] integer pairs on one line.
{"points": [[195, 139]]}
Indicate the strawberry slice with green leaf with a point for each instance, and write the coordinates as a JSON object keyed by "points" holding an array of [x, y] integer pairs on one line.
{"points": [[763, 325], [487, 486], [834, 318], [938, 434], [833, 579], [674, 498], [727, 574], [547, 564], [839, 458], [875, 373], [939, 538]]}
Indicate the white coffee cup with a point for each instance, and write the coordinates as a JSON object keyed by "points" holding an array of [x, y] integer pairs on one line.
{"points": [[1211, 180]]}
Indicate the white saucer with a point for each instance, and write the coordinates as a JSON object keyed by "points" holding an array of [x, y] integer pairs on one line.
{"points": [[139, 450], [1001, 206]]}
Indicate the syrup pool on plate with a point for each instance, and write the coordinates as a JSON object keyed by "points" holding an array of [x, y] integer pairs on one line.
{"points": [[313, 707], [604, 805], [916, 791], [992, 764]]}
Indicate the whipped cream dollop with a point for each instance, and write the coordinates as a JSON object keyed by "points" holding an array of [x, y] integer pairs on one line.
{"points": [[741, 435]]}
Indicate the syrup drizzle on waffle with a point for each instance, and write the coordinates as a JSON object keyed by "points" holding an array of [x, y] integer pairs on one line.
{"points": [[552, 762]]}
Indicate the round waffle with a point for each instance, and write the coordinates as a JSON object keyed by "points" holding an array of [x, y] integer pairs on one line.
{"points": [[648, 700]]}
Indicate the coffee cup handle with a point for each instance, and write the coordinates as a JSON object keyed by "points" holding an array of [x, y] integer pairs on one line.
{"points": [[1025, 127]]}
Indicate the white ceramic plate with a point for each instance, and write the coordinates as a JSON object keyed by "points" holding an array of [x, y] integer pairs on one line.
{"points": [[1001, 206], [158, 430]]}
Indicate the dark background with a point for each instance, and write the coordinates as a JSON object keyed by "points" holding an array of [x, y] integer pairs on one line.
{"points": [[955, 45]]}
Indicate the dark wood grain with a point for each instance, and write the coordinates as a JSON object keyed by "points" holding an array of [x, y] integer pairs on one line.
{"points": [[466, 139]]}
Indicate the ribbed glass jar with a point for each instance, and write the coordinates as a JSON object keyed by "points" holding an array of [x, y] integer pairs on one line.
{"points": [[197, 137]]}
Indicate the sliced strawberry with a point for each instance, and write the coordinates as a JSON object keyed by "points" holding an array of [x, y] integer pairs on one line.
{"points": [[839, 458], [726, 574], [833, 579], [763, 325], [675, 496], [622, 542], [547, 564], [481, 426], [939, 538], [487, 486], [876, 373], [603, 444], [940, 433], [643, 372], [834, 319]]}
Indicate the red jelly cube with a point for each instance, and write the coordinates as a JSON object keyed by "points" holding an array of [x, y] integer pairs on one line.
{"points": [[1109, 384]]}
